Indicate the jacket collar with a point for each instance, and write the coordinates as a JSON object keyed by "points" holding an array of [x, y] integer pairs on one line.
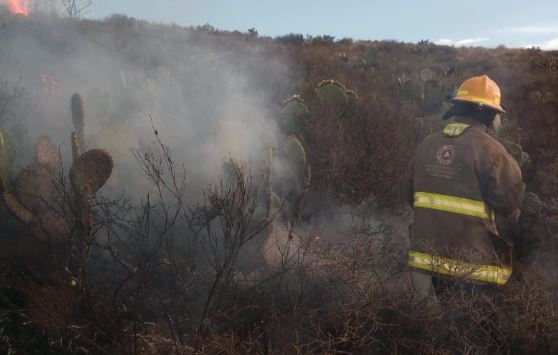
{"points": [[472, 122]]}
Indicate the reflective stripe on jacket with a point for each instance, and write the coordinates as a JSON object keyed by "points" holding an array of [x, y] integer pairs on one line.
{"points": [[458, 179]]}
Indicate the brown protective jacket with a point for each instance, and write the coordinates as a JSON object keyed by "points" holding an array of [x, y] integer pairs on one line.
{"points": [[459, 178]]}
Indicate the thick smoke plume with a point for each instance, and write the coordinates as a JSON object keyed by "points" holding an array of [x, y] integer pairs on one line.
{"points": [[208, 101]]}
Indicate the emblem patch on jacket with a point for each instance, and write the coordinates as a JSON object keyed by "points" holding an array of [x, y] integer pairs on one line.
{"points": [[446, 154]]}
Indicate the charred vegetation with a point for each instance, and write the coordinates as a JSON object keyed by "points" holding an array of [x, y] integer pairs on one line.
{"points": [[290, 239]]}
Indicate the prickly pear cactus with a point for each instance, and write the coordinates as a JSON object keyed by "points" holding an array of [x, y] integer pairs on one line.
{"points": [[11, 144], [88, 174], [76, 146], [91, 171], [412, 90], [290, 174], [434, 96], [8, 198], [372, 58], [34, 194], [288, 178], [291, 171], [47, 154], [270, 147], [34, 186], [426, 74], [295, 155], [352, 96], [294, 115], [78, 117], [516, 151], [18, 210], [333, 93]]}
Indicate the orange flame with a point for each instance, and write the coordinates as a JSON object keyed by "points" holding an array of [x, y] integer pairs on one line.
{"points": [[20, 7]]}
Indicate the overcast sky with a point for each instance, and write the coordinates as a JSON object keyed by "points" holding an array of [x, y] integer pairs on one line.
{"points": [[474, 22]]}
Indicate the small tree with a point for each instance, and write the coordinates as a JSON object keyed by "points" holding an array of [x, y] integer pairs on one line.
{"points": [[253, 32]]}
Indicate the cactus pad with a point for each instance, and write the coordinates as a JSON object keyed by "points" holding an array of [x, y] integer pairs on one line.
{"points": [[10, 145], [372, 57], [16, 208], [426, 74], [269, 141], [275, 203], [353, 98], [333, 92], [434, 96], [412, 90], [91, 171], [76, 146], [293, 116], [78, 116], [516, 152], [48, 225], [296, 156], [34, 187], [47, 154], [352, 95]]}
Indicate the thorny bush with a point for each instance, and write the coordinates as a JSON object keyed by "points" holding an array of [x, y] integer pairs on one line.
{"points": [[171, 275]]}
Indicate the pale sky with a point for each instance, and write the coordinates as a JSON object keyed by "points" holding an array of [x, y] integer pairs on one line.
{"points": [[474, 22]]}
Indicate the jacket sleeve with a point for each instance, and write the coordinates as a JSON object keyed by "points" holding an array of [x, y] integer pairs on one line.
{"points": [[506, 189], [408, 184]]}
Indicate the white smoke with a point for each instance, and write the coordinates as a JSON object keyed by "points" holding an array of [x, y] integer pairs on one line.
{"points": [[44, 6], [207, 99]]}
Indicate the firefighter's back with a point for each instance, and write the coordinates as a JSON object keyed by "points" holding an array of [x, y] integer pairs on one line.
{"points": [[451, 178]]}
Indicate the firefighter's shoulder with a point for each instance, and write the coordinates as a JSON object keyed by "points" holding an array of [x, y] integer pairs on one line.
{"points": [[491, 144]]}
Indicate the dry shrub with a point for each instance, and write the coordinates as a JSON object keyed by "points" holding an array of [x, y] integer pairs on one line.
{"points": [[343, 296], [165, 277], [363, 153]]}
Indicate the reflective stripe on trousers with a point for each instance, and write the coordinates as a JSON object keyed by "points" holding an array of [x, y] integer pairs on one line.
{"points": [[456, 268]]}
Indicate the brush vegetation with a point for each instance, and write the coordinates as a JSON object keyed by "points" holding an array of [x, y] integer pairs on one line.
{"points": [[241, 272]]}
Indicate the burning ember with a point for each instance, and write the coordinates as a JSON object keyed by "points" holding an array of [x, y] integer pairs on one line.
{"points": [[20, 7]]}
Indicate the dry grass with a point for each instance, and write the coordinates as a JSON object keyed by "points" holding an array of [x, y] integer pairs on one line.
{"points": [[168, 277]]}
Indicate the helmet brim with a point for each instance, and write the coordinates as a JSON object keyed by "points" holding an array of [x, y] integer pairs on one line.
{"points": [[496, 108]]}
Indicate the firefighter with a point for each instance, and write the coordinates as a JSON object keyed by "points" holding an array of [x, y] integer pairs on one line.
{"points": [[457, 182]]}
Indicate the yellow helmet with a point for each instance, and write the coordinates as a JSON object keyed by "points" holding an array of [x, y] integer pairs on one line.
{"points": [[480, 90]]}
